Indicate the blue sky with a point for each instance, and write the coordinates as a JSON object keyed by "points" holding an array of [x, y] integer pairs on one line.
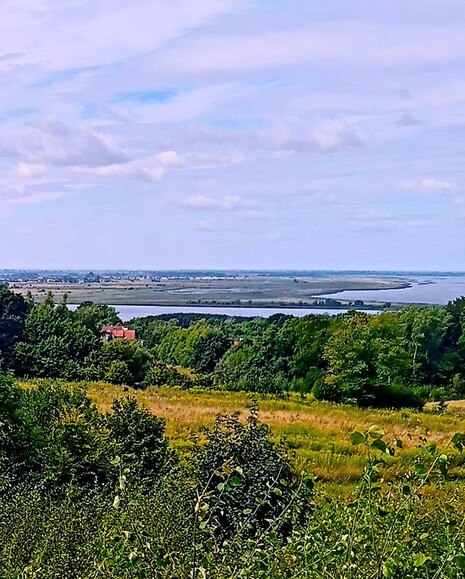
{"points": [[232, 134]]}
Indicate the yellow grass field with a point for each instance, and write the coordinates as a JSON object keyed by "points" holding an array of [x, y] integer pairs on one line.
{"points": [[318, 432]]}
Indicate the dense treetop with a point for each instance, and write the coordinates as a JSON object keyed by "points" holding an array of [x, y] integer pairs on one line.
{"points": [[390, 359]]}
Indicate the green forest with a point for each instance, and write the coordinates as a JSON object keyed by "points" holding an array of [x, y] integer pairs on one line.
{"points": [[92, 493], [392, 359]]}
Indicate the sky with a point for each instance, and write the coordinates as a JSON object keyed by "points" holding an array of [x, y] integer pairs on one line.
{"points": [[232, 134]]}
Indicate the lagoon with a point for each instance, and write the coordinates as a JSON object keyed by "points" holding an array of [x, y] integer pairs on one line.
{"points": [[424, 290], [128, 312]]}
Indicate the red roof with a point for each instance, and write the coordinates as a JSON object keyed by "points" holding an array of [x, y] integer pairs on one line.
{"points": [[119, 332], [130, 334]]}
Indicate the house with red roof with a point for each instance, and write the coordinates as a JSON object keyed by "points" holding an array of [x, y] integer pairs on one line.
{"points": [[114, 332]]}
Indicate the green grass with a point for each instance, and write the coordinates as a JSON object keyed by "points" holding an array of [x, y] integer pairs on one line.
{"points": [[317, 433]]}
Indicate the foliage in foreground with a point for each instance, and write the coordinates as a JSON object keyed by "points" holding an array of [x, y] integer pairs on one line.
{"points": [[89, 495]]}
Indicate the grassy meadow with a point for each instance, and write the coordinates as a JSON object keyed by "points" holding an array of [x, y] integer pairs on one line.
{"points": [[370, 514], [318, 433]]}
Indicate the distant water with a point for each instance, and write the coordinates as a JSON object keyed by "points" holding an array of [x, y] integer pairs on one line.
{"points": [[424, 290], [128, 312]]}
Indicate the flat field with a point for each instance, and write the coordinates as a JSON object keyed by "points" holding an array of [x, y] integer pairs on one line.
{"points": [[235, 291], [318, 433]]}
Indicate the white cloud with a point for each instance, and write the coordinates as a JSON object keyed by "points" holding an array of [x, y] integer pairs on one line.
{"points": [[367, 43], [331, 136], [21, 195], [327, 136], [52, 142], [83, 33], [225, 203], [212, 160], [300, 115], [28, 171], [429, 186], [147, 169], [374, 220], [169, 159]]}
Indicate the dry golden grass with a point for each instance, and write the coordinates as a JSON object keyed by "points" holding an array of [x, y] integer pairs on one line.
{"points": [[318, 432]]}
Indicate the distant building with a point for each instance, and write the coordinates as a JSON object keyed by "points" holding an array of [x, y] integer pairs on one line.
{"points": [[91, 277], [113, 332]]}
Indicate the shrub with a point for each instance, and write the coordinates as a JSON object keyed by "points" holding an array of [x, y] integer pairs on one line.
{"points": [[247, 482], [437, 394], [326, 390], [53, 435], [161, 374], [14, 438], [458, 386], [67, 441], [135, 357], [139, 438], [399, 396], [119, 373]]}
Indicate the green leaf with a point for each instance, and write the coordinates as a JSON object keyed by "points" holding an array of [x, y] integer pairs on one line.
{"points": [[310, 484], [432, 448], [375, 432], [420, 469], [459, 561], [278, 491], [357, 438], [379, 445], [419, 559], [116, 502], [389, 569], [443, 464], [458, 441], [235, 481]]}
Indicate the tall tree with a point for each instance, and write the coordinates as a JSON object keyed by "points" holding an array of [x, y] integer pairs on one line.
{"points": [[13, 312]]}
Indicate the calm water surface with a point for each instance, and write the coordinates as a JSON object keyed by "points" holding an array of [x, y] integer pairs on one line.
{"points": [[128, 312], [427, 290]]}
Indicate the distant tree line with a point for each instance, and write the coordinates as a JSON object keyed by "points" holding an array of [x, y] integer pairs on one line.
{"points": [[392, 359]]}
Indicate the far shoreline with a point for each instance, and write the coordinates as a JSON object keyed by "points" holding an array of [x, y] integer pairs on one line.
{"points": [[285, 293]]}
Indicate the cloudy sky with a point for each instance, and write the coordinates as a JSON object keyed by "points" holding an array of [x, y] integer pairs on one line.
{"points": [[232, 134]]}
